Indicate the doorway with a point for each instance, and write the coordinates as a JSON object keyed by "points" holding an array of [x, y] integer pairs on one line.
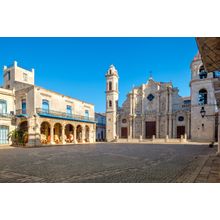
{"points": [[150, 129], [124, 132], [180, 131]]}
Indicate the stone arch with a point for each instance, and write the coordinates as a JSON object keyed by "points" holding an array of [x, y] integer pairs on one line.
{"points": [[69, 133], [57, 129], [23, 131], [203, 97], [45, 132], [87, 133], [79, 133]]}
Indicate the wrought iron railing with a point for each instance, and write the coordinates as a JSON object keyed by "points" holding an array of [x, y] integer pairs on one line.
{"points": [[5, 115], [64, 115], [21, 112]]}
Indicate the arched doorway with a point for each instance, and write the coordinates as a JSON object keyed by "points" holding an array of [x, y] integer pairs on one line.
{"points": [[87, 133], [69, 133], [45, 133], [23, 132], [79, 133], [57, 133]]}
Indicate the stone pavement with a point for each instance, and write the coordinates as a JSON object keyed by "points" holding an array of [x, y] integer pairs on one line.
{"points": [[210, 171], [104, 163]]}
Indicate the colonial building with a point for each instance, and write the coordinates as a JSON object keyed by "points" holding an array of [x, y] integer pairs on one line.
{"points": [[100, 126], [156, 110], [46, 116]]}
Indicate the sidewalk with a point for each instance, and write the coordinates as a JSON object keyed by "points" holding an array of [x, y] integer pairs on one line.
{"points": [[210, 172], [5, 146]]}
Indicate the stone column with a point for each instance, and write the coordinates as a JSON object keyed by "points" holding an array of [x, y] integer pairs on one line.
{"points": [[130, 127], [133, 129], [33, 132], [131, 104], [170, 114], [157, 126], [188, 125], [158, 116], [74, 135], [63, 134], [93, 134], [142, 126], [174, 126], [52, 134], [170, 125], [83, 134]]}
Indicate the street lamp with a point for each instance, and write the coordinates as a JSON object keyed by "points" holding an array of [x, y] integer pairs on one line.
{"points": [[203, 112]]}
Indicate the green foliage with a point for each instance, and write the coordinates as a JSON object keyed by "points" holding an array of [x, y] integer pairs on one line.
{"points": [[18, 137]]}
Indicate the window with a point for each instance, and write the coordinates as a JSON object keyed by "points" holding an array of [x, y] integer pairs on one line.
{"points": [[23, 106], [87, 114], [202, 73], [4, 130], [202, 97], [110, 86], [124, 120], [110, 103], [180, 118], [9, 75], [216, 74], [3, 107], [150, 97], [187, 102], [25, 77], [45, 106], [69, 110]]}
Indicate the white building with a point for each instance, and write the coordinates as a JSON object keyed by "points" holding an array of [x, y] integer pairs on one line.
{"points": [[156, 110]]}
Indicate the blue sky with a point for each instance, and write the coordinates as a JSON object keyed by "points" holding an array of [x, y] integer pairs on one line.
{"points": [[77, 66]]}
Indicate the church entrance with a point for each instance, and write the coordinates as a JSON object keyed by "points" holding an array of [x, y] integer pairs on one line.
{"points": [[180, 131], [150, 129], [124, 132]]}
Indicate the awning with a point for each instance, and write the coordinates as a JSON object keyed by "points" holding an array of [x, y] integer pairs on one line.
{"points": [[209, 48]]}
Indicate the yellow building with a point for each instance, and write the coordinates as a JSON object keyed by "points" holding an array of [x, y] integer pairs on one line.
{"points": [[46, 116]]}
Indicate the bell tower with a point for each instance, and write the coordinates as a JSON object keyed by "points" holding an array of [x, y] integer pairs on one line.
{"points": [[202, 96], [111, 102]]}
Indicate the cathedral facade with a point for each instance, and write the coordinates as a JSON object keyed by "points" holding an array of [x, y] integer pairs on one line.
{"points": [[156, 110]]}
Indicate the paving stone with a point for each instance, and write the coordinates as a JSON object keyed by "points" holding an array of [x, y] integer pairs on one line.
{"points": [[106, 162]]}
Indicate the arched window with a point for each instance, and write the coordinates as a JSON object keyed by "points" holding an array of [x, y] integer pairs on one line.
{"points": [[202, 73], [203, 97], [110, 103], [3, 107], [110, 86], [45, 106]]}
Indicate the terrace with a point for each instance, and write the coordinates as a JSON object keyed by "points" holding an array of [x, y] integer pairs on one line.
{"points": [[64, 115]]}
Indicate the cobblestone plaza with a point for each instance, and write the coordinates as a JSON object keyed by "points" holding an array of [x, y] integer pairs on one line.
{"points": [[103, 163]]}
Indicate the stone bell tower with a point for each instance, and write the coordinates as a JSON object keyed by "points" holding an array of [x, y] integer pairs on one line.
{"points": [[111, 102], [202, 95]]}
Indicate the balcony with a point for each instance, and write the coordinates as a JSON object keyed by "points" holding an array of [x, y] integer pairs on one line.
{"points": [[63, 115], [21, 113], [5, 115]]}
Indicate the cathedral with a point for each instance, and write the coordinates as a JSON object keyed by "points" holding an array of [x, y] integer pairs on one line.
{"points": [[155, 110]]}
